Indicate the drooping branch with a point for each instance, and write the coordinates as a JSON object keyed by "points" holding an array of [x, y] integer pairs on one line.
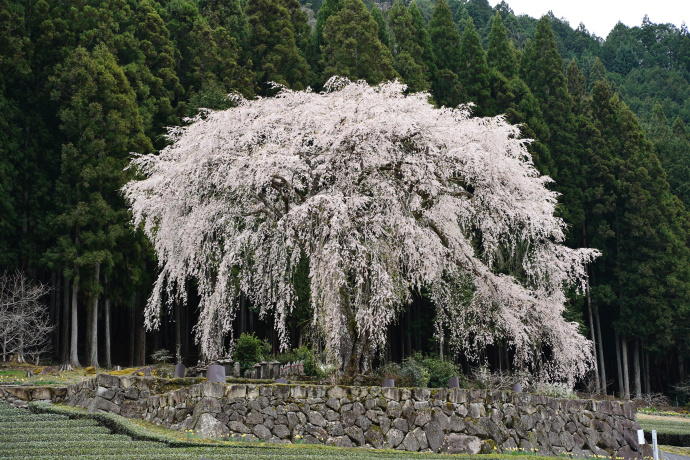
{"points": [[383, 194]]}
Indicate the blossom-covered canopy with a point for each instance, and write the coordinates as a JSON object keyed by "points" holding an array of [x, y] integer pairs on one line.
{"points": [[384, 194]]}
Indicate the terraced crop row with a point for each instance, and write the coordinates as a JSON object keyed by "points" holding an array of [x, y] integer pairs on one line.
{"points": [[669, 432], [26, 435]]}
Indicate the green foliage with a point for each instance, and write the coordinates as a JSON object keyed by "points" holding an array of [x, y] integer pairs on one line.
{"points": [[277, 30], [161, 356], [407, 53], [439, 371], [249, 350], [383, 30], [419, 371], [474, 72], [501, 53], [352, 48], [409, 374], [306, 356]]}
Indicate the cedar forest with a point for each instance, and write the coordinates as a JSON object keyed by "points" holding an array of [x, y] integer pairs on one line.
{"points": [[86, 83]]}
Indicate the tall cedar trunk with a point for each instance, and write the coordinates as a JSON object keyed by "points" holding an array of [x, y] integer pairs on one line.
{"points": [[74, 337], [106, 323], [54, 308], [638, 373], [132, 327], [626, 373], [140, 358], [681, 367], [619, 365], [88, 331], [647, 381], [93, 325], [597, 382], [602, 362], [64, 347]]}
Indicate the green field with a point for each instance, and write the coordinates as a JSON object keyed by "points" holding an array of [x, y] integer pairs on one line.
{"points": [[670, 431], [29, 435]]}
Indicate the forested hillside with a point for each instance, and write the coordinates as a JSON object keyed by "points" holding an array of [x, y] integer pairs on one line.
{"points": [[86, 83]]}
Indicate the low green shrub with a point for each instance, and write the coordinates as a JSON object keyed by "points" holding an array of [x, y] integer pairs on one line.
{"points": [[418, 371], [408, 374], [249, 350], [440, 372], [312, 366]]}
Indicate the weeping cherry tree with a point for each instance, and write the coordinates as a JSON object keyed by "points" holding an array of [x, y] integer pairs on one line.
{"points": [[384, 195]]}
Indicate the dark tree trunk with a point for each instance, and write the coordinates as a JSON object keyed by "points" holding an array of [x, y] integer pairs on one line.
{"points": [[647, 382], [140, 357], [626, 373], [638, 373], [73, 357], [93, 324], [132, 328], [55, 310], [592, 331], [64, 346], [600, 344], [106, 321], [619, 365]]}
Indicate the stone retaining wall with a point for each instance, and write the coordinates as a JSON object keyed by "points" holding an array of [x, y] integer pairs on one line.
{"points": [[419, 419]]}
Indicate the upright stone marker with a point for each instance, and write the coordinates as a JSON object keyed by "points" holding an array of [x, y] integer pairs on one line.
{"points": [[179, 371], [215, 373]]}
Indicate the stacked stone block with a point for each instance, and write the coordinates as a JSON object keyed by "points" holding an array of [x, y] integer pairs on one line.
{"points": [[418, 419]]}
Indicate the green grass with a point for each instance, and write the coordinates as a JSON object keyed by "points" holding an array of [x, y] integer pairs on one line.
{"points": [[669, 432], [54, 432]]}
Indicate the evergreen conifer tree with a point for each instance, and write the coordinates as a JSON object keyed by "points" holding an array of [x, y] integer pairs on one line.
{"points": [[383, 30], [424, 42], [474, 72], [352, 47], [542, 69], [407, 54], [274, 42], [315, 56], [101, 125], [445, 39], [501, 53]]}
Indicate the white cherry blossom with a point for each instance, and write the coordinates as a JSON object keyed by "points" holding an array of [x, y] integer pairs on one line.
{"points": [[385, 195]]}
